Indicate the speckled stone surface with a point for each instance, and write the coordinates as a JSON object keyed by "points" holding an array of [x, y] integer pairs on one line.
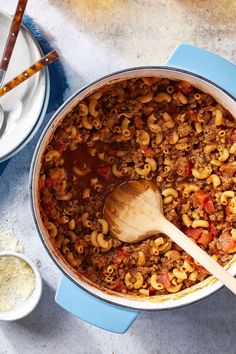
{"points": [[95, 38]]}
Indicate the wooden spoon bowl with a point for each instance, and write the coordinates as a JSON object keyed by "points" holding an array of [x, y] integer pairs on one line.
{"points": [[132, 210]]}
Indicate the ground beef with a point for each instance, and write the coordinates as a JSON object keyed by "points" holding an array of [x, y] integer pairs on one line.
{"points": [[89, 155]]}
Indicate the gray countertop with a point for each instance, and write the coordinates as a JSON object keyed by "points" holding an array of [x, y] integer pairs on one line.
{"points": [[96, 37]]}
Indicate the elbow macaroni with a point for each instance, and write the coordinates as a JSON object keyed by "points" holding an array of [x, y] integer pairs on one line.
{"points": [[150, 128]]}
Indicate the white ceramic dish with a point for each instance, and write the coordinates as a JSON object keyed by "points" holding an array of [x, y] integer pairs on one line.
{"points": [[25, 308], [25, 105]]}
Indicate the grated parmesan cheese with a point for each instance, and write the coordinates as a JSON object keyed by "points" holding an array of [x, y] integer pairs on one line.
{"points": [[17, 282]]}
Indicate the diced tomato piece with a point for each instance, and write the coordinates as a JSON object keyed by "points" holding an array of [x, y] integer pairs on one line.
{"points": [[152, 291], [226, 242], [188, 169], [118, 285], [212, 229], [139, 123], [231, 218], [148, 152], [190, 260], [200, 198], [104, 171], [229, 169], [193, 263], [121, 252], [194, 233], [209, 207], [205, 238], [185, 87], [118, 258], [202, 236], [163, 278], [192, 116]]}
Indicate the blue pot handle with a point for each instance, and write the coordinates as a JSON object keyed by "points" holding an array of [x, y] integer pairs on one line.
{"points": [[206, 64], [93, 310]]}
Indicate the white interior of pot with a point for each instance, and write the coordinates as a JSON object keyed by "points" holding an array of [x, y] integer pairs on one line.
{"points": [[184, 297]]}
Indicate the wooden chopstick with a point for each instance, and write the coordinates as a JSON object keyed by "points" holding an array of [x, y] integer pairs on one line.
{"points": [[25, 75]]}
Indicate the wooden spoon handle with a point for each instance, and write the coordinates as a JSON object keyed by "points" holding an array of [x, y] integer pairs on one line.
{"points": [[199, 255], [13, 33], [36, 67]]}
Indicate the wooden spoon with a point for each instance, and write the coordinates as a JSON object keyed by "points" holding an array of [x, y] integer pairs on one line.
{"points": [[134, 212]]}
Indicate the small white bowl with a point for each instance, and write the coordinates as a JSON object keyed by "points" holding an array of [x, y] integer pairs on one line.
{"points": [[26, 307]]}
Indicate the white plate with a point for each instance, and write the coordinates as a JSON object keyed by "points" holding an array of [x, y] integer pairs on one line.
{"points": [[23, 106]]}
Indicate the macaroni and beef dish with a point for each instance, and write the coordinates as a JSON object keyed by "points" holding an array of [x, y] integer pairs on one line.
{"points": [[158, 129]]}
